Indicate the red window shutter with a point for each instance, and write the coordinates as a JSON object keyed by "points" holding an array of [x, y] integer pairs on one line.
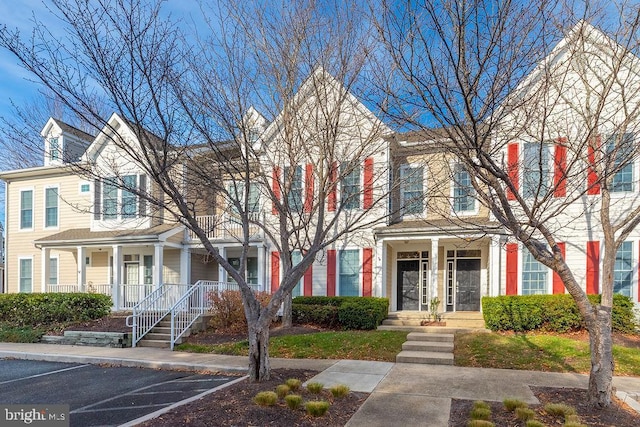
{"points": [[275, 271], [308, 282], [593, 186], [308, 183], [275, 183], [512, 269], [368, 183], [558, 286], [593, 267], [560, 169], [331, 273], [512, 169], [332, 197], [367, 271]]}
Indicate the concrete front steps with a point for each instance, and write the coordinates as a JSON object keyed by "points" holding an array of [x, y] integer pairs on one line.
{"points": [[160, 335], [427, 348], [457, 320]]}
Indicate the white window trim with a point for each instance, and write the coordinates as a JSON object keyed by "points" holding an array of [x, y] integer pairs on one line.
{"points": [[550, 163], [338, 285], [44, 207], [119, 191], [549, 284], [452, 186], [33, 210], [81, 183], [360, 193], [425, 172], [20, 259], [57, 258]]}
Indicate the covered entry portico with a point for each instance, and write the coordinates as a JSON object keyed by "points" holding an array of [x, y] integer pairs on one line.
{"points": [[419, 265]]}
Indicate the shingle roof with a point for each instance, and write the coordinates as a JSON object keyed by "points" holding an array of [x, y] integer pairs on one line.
{"points": [[460, 226], [85, 235], [66, 128]]}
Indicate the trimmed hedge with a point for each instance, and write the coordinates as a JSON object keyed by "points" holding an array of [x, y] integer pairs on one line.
{"points": [[46, 308], [347, 312], [554, 313]]}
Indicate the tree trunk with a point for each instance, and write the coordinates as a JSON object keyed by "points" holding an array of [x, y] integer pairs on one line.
{"points": [[601, 374], [259, 367], [287, 315]]}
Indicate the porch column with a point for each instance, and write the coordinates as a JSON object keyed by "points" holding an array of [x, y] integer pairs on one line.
{"points": [[434, 268], [81, 268], [381, 269], [117, 275], [222, 273], [494, 266], [185, 266], [45, 253], [158, 263], [262, 284]]}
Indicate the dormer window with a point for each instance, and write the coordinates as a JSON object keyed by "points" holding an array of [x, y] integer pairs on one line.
{"points": [[54, 149]]}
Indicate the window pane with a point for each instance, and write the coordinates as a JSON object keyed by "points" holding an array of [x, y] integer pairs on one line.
{"points": [[534, 275], [294, 188], [623, 178], [296, 257], [51, 207], [129, 199], [26, 209], [536, 176], [148, 269], [26, 281], [53, 271], [411, 189], [109, 200], [54, 149], [463, 192], [350, 194], [623, 270], [349, 273], [254, 198]]}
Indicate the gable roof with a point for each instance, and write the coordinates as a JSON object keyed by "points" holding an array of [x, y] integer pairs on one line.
{"points": [[66, 128]]}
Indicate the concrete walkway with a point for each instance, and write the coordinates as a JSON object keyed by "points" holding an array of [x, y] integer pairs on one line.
{"points": [[418, 395]]}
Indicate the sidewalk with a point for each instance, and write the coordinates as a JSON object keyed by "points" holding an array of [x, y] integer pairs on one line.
{"points": [[415, 394]]}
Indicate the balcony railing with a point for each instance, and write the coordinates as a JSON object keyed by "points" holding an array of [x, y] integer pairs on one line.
{"points": [[228, 226]]}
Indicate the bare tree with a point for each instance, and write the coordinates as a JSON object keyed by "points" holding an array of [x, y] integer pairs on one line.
{"points": [[480, 71], [188, 98]]}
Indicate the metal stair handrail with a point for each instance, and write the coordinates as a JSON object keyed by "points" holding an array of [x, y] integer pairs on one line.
{"points": [[153, 308]]}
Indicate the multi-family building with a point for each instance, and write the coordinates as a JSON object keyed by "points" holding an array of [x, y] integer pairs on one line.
{"points": [[427, 234]]}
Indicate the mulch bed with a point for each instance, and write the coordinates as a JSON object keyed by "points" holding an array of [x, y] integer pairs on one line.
{"points": [[234, 406], [104, 324], [617, 415]]}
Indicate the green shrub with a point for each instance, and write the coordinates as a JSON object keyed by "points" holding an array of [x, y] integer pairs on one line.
{"points": [[266, 398], [559, 409], [318, 300], [282, 390], [363, 313], [317, 408], [293, 383], [534, 423], [10, 333], [47, 308], [555, 313], [512, 404], [479, 413], [315, 388], [481, 404], [339, 390], [480, 423], [525, 414], [321, 315], [293, 401]]}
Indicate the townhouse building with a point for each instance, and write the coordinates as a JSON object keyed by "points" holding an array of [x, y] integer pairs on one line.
{"points": [[426, 233]]}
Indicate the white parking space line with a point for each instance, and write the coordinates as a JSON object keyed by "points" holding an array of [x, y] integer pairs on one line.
{"points": [[120, 408], [44, 374]]}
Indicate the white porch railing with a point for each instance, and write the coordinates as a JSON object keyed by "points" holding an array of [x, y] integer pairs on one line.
{"points": [[228, 226], [128, 295], [195, 303]]}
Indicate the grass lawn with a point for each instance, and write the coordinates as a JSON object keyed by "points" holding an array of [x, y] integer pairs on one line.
{"points": [[537, 352], [11, 333], [360, 345]]}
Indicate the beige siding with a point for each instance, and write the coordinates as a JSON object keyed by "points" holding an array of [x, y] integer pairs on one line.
{"points": [[201, 269], [171, 272], [98, 272]]}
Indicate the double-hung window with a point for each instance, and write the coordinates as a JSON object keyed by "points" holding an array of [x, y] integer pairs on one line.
{"points": [[623, 269], [51, 207], [26, 209], [26, 274], [534, 275], [109, 199], [463, 191], [54, 149], [296, 257], [236, 192], [350, 186], [129, 198], [53, 271], [621, 146], [293, 186], [349, 262], [536, 176], [411, 189], [122, 202]]}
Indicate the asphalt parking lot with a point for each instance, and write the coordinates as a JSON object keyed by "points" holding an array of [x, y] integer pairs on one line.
{"points": [[100, 395]]}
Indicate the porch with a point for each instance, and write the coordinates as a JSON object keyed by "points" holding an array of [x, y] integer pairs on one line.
{"points": [[228, 227]]}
